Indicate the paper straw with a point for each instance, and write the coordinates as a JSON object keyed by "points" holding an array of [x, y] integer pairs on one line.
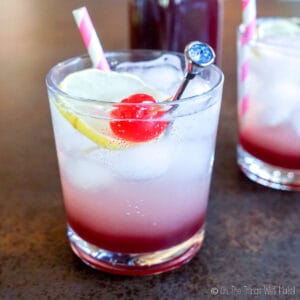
{"points": [[90, 38], [249, 19], [249, 22]]}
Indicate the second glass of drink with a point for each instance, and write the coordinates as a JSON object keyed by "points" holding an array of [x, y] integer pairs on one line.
{"points": [[269, 103]]}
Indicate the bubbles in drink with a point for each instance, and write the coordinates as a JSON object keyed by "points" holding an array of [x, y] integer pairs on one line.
{"points": [[202, 123]]}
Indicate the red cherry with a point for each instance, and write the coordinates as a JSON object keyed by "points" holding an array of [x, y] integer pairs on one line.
{"points": [[140, 122]]}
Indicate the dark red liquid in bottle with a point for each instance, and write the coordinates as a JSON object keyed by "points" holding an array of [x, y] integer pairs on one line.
{"points": [[172, 24]]}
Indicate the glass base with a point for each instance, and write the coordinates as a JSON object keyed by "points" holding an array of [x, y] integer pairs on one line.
{"points": [[138, 263], [266, 174]]}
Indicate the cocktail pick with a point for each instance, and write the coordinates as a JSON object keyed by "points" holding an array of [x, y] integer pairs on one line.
{"points": [[198, 55]]}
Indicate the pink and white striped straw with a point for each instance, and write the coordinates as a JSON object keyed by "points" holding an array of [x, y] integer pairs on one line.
{"points": [[249, 19], [90, 38], [249, 22]]}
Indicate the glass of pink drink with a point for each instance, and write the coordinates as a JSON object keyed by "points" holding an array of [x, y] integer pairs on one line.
{"points": [[269, 115], [135, 177]]}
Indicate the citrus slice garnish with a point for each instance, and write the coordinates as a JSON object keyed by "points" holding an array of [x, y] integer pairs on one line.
{"points": [[277, 32], [278, 27], [94, 84], [96, 130], [109, 86]]}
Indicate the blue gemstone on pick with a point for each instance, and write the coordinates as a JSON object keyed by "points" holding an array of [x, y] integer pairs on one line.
{"points": [[201, 54]]}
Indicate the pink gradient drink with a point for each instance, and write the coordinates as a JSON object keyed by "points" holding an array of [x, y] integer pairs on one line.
{"points": [[270, 145], [135, 204], [269, 118], [134, 219]]}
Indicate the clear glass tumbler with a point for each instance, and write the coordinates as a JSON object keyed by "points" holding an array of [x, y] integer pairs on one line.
{"points": [[269, 103], [137, 208]]}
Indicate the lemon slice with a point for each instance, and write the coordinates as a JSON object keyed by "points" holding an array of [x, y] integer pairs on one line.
{"points": [[277, 32], [96, 130], [278, 27], [94, 84]]}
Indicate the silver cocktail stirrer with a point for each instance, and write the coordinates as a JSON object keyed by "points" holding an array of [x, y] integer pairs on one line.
{"points": [[198, 55]]}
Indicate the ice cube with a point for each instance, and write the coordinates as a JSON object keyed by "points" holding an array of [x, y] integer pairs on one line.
{"points": [[194, 159], [280, 101], [67, 138], [273, 85], [196, 86], [86, 173], [146, 161], [163, 74]]}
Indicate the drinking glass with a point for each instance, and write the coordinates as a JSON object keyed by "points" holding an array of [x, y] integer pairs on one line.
{"points": [[269, 103], [137, 208]]}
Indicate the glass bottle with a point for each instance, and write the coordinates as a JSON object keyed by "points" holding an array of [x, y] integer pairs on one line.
{"points": [[171, 24]]}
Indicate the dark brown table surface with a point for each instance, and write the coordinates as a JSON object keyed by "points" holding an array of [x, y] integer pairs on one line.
{"points": [[253, 233]]}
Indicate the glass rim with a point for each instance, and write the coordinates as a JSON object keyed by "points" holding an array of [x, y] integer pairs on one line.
{"points": [[259, 41], [54, 87]]}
